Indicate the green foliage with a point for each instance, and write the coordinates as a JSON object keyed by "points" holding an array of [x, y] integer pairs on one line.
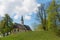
{"points": [[50, 22], [39, 28], [52, 18], [6, 24], [58, 33]]}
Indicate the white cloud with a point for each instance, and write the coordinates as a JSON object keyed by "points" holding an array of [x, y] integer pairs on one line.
{"points": [[2, 8], [7, 0], [16, 17], [27, 17], [18, 7], [38, 5]]}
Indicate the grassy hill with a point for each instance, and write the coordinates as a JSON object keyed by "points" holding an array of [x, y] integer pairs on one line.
{"points": [[32, 36]]}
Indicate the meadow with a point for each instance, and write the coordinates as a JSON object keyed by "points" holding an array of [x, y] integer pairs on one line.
{"points": [[42, 35]]}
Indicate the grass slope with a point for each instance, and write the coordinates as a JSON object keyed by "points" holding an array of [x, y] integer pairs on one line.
{"points": [[32, 36]]}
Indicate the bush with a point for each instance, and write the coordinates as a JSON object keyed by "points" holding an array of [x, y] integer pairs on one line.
{"points": [[58, 33]]}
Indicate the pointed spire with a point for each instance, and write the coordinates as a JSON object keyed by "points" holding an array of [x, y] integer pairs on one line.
{"points": [[22, 20]]}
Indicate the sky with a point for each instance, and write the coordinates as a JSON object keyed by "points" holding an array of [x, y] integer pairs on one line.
{"points": [[17, 8]]}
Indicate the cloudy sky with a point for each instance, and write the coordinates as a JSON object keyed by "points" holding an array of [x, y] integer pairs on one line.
{"points": [[17, 8]]}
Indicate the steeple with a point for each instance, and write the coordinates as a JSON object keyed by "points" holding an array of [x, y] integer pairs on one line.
{"points": [[22, 20]]}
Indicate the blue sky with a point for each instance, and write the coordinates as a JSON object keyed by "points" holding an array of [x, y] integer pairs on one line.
{"points": [[17, 8]]}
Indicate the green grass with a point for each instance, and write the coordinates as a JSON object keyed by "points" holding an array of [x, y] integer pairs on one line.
{"points": [[43, 35]]}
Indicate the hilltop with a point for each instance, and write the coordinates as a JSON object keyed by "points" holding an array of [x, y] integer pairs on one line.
{"points": [[42, 35]]}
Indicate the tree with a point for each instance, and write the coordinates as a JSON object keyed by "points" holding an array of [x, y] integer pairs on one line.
{"points": [[52, 15], [2, 27], [41, 15], [48, 18], [6, 24]]}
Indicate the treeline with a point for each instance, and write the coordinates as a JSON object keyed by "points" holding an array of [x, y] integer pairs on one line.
{"points": [[49, 18]]}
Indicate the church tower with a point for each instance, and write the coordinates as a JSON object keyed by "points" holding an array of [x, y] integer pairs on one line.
{"points": [[22, 20]]}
